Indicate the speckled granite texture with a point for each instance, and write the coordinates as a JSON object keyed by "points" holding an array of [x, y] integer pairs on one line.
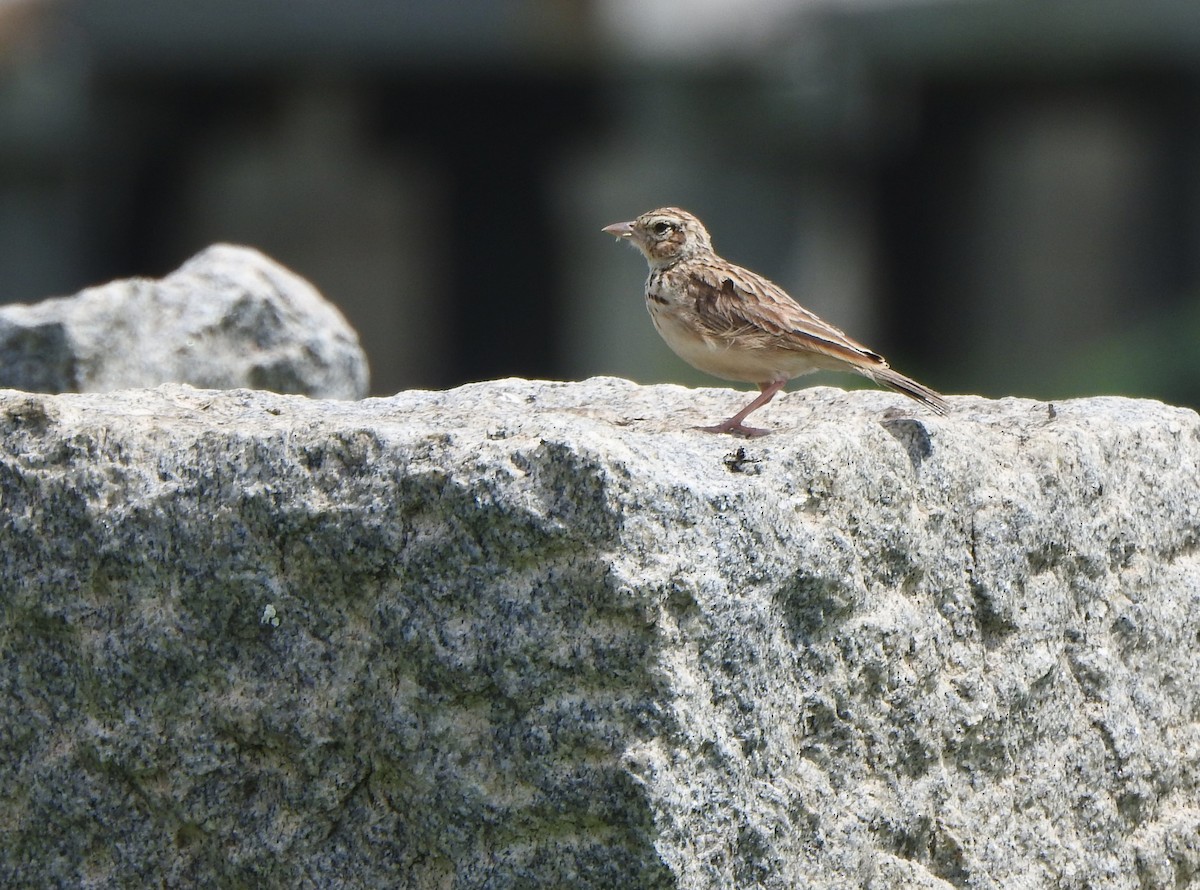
{"points": [[540, 635]]}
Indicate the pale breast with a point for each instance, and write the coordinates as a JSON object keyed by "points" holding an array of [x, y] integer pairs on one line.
{"points": [[726, 357]]}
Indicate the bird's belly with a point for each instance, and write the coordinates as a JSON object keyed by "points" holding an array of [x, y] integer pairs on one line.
{"points": [[724, 358]]}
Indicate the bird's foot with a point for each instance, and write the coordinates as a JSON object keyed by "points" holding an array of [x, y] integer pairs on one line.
{"points": [[735, 429]]}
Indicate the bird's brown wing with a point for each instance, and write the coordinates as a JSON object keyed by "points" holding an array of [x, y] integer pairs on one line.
{"points": [[734, 302]]}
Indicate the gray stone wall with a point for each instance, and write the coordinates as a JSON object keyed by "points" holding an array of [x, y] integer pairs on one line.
{"points": [[527, 634]]}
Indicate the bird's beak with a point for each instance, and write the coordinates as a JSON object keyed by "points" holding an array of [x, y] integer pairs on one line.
{"points": [[619, 230]]}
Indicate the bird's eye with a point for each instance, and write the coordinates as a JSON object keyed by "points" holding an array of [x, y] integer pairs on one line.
{"points": [[661, 228]]}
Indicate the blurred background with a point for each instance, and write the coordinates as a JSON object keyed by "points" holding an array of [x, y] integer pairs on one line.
{"points": [[1001, 196]]}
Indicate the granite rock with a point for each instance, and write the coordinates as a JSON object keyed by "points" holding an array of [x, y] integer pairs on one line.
{"points": [[535, 635], [228, 318]]}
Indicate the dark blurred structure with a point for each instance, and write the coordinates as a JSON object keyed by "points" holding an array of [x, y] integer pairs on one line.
{"points": [[1002, 197], [1036, 190], [397, 154]]}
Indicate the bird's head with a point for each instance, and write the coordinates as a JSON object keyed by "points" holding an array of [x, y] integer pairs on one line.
{"points": [[665, 236]]}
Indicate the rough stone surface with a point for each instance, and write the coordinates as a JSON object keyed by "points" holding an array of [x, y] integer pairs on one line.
{"points": [[534, 635], [228, 318]]}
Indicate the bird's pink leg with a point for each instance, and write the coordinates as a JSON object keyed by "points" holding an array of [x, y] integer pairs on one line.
{"points": [[734, 424]]}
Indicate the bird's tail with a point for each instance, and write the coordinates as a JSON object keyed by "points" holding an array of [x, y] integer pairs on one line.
{"points": [[908, 387]]}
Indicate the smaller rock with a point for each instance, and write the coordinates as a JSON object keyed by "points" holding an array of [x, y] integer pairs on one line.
{"points": [[228, 318]]}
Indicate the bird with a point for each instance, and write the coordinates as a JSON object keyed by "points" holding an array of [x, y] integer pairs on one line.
{"points": [[734, 324]]}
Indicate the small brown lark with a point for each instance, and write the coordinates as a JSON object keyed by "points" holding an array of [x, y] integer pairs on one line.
{"points": [[731, 323]]}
